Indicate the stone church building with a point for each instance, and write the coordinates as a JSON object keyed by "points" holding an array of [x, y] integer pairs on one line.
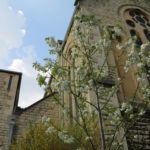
{"points": [[134, 17], [13, 119]]}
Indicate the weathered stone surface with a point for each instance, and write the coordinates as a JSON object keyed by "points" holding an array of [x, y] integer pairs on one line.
{"points": [[13, 121], [34, 114], [111, 12], [7, 100]]}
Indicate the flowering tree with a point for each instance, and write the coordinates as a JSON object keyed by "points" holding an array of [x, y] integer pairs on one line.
{"points": [[89, 68]]}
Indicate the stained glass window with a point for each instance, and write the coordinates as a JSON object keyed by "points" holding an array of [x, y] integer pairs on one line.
{"points": [[139, 24]]}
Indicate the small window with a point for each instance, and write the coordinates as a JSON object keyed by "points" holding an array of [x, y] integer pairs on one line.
{"points": [[10, 83]]}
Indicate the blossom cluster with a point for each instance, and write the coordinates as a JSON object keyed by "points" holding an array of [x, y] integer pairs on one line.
{"points": [[64, 136]]}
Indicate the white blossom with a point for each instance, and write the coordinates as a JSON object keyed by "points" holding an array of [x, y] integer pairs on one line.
{"points": [[131, 53], [128, 63], [51, 130], [104, 73], [48, 119], [116, 113], [126, 69], [131, 116], [140, 65], [107, 43], [69, 140], [142, 112], [84, 89], [64, 110], [44, 119], [74, 52], [133, 46], [91, 83], [81, 72], [135, 136], [148, 62], [88, 138], [65, 85], [60, 71], [123, 106], [85, 112], [119, 47], [145, 47], [139, 79], [63, 135], [118, 30], [130, 42], [118, 118], [51, 41], [140, 54], [118, 79], [58, 50]]}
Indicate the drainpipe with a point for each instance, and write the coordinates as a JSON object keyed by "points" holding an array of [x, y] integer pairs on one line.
{"points": [[59, 44], [12, 124], [62, 94]]}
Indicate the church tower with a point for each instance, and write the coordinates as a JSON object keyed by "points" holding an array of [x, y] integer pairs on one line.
{"points": [[9, 94]]}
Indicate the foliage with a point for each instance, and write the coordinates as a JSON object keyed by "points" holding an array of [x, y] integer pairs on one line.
{"points": [[87, 62], [51, 136]]}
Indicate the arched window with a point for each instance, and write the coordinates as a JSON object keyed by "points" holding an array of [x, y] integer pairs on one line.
{"points": [[72, 102], [138, 23]]}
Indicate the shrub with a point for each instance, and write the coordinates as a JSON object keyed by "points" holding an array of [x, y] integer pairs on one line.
{"points": [[47, 136]]}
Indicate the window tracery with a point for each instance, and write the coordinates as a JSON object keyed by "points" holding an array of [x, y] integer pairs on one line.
{"points": [[139, 25]]}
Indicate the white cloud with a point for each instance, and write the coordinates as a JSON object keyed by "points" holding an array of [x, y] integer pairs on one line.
{"points": [[30, 90], [21, 66], [23, 32], [20, 12], [12, 29]]}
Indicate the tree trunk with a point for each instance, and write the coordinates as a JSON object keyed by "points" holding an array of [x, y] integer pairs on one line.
{"points": [[102, 143]]}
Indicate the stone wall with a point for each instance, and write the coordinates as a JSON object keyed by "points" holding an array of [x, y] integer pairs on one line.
{"points": [[7, 100], [111, 13], [34, 114], [14, 120], [138, 136]]}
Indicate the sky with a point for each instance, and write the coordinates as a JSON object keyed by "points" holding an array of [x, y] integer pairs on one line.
{"points": [[24, 24]]}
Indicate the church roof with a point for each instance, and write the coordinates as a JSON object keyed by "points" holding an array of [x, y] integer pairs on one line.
{"points": [[10, 72], [70, 26], [20, 110]]}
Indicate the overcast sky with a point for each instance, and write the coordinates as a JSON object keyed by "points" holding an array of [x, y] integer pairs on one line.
{"points": [[23, 26]]}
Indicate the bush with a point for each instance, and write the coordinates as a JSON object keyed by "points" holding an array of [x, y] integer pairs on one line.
{"points": [[47, 136]]}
